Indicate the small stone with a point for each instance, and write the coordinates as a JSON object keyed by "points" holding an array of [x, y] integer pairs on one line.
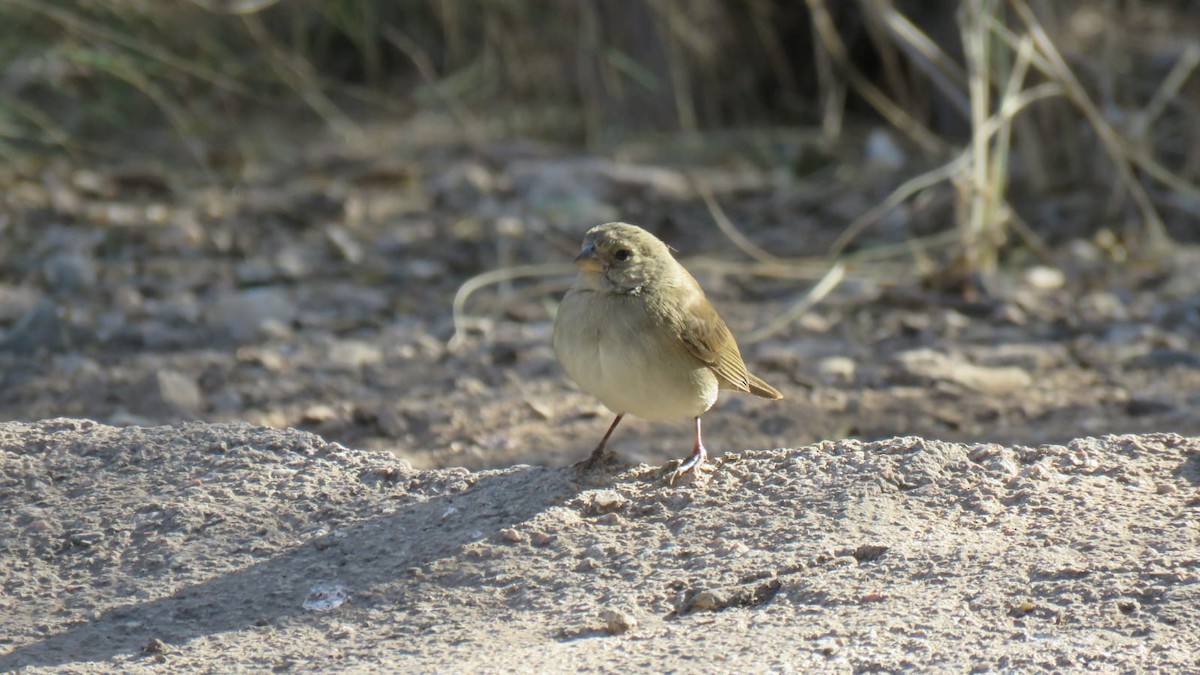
{"points": [[1036, 472], [541, 539], [828, 646], [318, 414], [602, 501], [836, 369], [344, 243], [16, 301], [391, 422], [243, 315], [463, 186], [929, 365], [69, 271], [1102, 307], [156, 646], [881, 150], [177, 392], [1045, 278], [540, 408], [707, 600], [1022, 608], [982, 452], [511, 534], [618, 621], [86, 539], [353, 354], [1165, 488], [40, 328], [1138, 406], [868, 552], [424, 269]]}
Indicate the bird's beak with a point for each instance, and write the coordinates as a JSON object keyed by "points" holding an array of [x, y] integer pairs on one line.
{"points": [[588, 262]]}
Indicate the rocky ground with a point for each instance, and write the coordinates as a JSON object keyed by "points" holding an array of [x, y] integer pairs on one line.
{"points": [[225, 547], [315, 292]]}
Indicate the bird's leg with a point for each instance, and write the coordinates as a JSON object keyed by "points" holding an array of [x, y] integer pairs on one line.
{"points": [[695, 460], [599, 456]]}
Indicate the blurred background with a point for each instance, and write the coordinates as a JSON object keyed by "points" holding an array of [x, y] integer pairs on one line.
{"points": [[971, 220]]}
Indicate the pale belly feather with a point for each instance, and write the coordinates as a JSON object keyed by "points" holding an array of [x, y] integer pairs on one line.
{"points": [[626, 365]]}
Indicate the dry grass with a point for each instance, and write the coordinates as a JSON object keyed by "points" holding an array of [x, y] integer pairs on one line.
{"points": [[1013, 94]]}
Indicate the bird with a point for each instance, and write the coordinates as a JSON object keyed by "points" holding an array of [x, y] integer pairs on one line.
{"points": [[636, 331]]}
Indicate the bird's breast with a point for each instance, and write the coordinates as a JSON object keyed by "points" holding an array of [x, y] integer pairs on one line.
{"points": [[615, 350]]}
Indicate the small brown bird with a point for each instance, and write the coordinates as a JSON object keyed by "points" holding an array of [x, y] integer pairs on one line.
{"points": [[636, 332]]}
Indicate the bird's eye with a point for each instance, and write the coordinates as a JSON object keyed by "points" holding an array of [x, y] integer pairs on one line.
{"points": [[622, 254]]}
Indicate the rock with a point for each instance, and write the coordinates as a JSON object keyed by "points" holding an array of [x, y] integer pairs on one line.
{"points": [[928, 365], [869, 552], [243, 315], [602, 501], [618, 621], [1045, 278], [836, 370], [353, 355], [1139, 405], [828, 646], [15, 301], [69, 271], [348, 248], [156, 646], [39, 329], [318, 414], [463, 186], [882, 151], [655, 179], [1102, 307], [569, 194], [171, 391]]}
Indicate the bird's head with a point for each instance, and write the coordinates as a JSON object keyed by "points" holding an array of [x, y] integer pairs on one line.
{"points": [[623, 258]]}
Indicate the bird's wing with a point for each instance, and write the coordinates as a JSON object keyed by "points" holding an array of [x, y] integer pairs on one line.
{"points": [[708, 339]]}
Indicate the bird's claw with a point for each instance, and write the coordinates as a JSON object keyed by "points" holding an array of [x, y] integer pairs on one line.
{"points": [[690, 465]]}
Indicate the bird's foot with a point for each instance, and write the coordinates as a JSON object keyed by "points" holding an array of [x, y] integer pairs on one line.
{"points": [[690, 465], [597, 461]]}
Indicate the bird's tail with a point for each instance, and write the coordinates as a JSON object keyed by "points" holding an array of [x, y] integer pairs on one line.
{"points": [[762, 389]]}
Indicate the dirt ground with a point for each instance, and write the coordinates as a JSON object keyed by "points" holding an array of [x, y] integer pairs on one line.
{"points": [[313, 292], [232, 547]]}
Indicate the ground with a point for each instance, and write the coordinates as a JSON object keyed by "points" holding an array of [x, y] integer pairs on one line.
{"points": [[217, 547], [315, 292]]}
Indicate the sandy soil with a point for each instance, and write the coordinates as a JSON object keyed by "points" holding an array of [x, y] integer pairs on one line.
{"points": [[222, 547]]}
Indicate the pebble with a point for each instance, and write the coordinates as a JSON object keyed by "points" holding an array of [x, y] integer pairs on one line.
{"points": [[602, 501], [40, 328], [69, 271], [1045, 278], [348, 248], [16, 301], [175, 392], [927, 364], [541, 539], [242, 315], [353, 354], [618, 621], [837, 370], [882, 151]]}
